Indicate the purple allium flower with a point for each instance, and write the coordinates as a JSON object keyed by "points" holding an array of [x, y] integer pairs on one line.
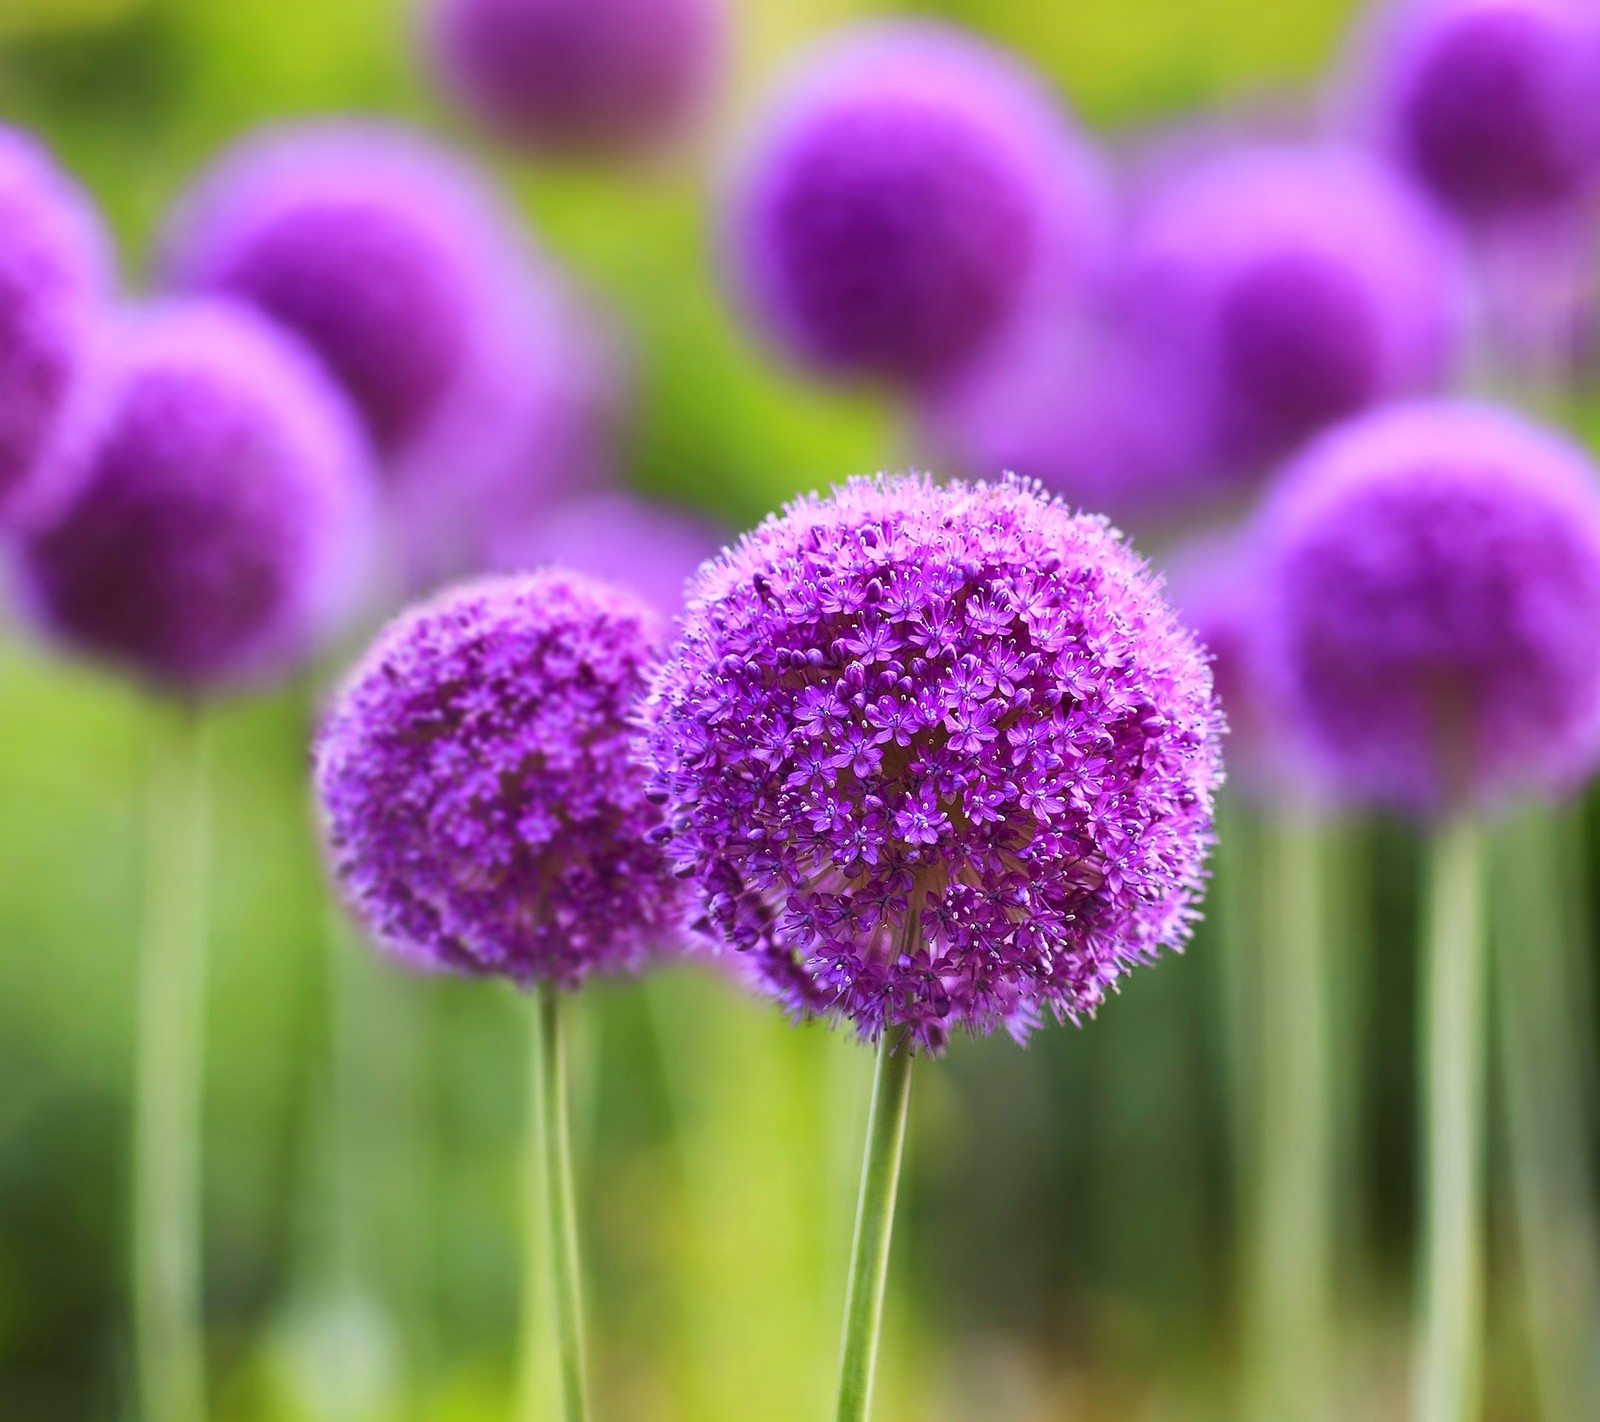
{"points": [[407, 277], [937, 757], [1286, 288], [1491, 103], [579, 77], [482, 808], [909, 196], [1431, 590], [55, 275], [649, 548], [224, 503]]}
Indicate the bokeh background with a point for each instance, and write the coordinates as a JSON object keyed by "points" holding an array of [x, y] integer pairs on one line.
{"points": [[1070, 1243]]}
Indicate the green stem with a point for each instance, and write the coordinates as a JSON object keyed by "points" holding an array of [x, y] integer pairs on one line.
{"points": [[1450, 1344], [554, 1257], [1295, 1160], [1542, 1071], [869, 1254], [167, 1091]]}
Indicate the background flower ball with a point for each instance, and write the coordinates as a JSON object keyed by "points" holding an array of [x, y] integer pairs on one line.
{"points": [[1286, 288], [961, 710], [406, 276], [1431, 577], [1490, 103], [482, 809], [224, 509], [905, 199], [579, 77], [55, 276]]}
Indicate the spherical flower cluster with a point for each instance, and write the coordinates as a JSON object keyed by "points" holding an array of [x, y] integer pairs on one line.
{"points": [[406, 276], [1431, 584], [1286, 288], [909, 196], [936, 757], [1491, 102], [482, 809], [649, 548], [224, 504], [579, 77], [55, 274]]}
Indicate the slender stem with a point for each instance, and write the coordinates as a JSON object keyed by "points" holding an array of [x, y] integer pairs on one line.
{"points": [[1295, 1159], [171, 1038], [557, 1241], [1450, 1344], [1542, 1072], [869, 1254]]}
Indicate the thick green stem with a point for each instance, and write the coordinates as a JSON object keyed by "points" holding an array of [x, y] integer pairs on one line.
{"points": [[1538, 924], [1449, 1360], [167, 1090], [869, 1254], [553, 1250], [1295, 1160]]}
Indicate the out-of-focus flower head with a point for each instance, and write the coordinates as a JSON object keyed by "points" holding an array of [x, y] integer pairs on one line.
{"points": [[406, 275], [55, 277], [1490, 103], [579, 78], [225, 505], [936, 757], [482, 809], [1430, 604], [909, 196], [650, 548], [1280, 288]]}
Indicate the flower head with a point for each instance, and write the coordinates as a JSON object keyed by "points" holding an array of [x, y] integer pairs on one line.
{"points": [[55, 275], [1284, 289], [1431, 578], [1490, 103], [937, 757], [649, 548], [579, 77], [406, 276], [224, 504], [482, 810], [911, 194]]}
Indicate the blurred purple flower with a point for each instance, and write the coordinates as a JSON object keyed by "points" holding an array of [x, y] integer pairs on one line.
{"points": [[579, 78], [1026, 777], [907, 198], [1491, 103], [407, 276], [1431, 599], [651, 549], [1282, 288], [224, 508], [482, 809], [55, 277]]}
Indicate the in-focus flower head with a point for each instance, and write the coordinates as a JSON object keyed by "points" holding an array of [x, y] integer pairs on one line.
{"points": [[1431, 594], [406, 275], [55, 276], [936, 757], [649, 548], [1490, 103], [224, 510], [1285, 288], [481, 806], [907, 197], [579, 78]]}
